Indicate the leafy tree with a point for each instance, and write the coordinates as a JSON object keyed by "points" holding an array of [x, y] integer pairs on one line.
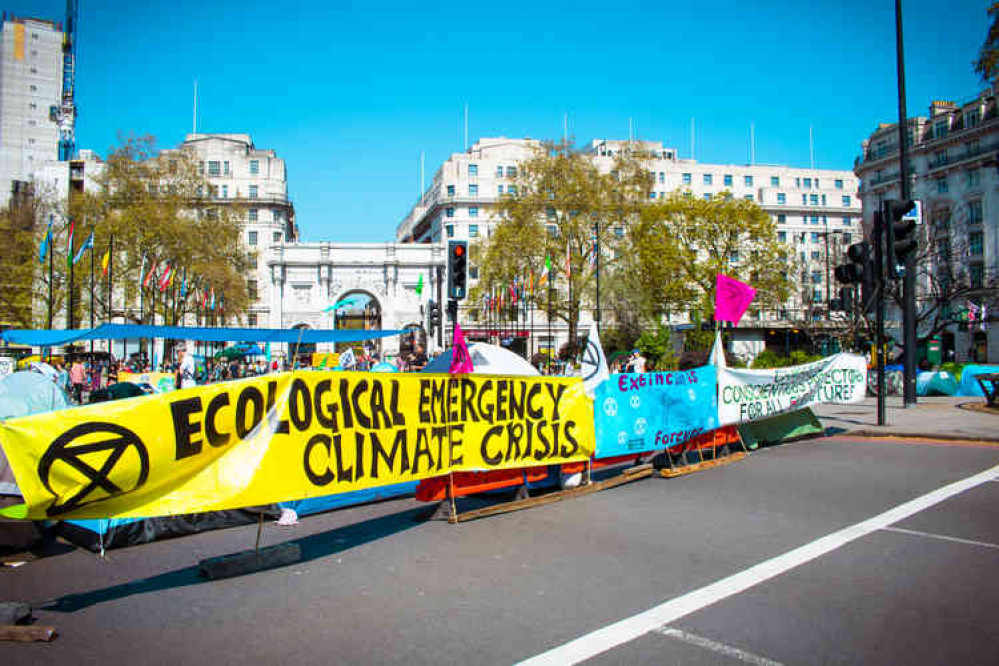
{"points": [[681, 243], [160, 208], [987, 64], [562, 205], [657, 347], [18, 262]]}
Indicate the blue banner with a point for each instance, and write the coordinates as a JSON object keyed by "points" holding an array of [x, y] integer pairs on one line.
{"points": [[655, 410]]}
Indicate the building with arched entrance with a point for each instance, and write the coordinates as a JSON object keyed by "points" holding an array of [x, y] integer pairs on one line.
{"points": [[332, 286]]}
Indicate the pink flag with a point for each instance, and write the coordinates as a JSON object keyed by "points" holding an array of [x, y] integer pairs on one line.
{"points": [[461, 361], [731, 298]]}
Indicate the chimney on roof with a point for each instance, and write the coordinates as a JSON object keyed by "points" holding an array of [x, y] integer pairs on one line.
{"points": [[939, 107]]}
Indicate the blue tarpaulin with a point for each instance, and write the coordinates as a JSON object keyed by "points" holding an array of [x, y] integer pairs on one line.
{"points": [[53, 338]]}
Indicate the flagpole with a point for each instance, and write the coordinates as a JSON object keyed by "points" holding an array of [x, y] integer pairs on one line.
{"points": [[92, 252], [69, 311], [51, 252]]}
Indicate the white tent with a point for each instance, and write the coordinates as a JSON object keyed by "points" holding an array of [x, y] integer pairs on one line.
{"points": [[487, 360]]}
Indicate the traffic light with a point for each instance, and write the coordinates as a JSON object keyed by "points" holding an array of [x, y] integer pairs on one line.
{"points": [[457, 269], [435, 315], [858, 270], [900, 218], [845, 299]]}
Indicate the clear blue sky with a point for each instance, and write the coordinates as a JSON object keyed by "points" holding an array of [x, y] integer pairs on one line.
{"points": [[349, 95]]}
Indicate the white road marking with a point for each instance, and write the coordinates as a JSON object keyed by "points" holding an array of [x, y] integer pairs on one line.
{"points": [[628, 629], [942, 537], [715, 646]]}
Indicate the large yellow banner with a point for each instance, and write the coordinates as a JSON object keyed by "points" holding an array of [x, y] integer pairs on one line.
{"points": [[288, 436]]}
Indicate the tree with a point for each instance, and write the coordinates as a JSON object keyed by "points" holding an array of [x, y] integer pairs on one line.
{"points": [[161, 210], [946, 275], [563, 209], [682, 243], [987, 64], [18, 261]]}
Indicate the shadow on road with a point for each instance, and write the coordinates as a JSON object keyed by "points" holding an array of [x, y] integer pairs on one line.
{"points": [[313, 547]]}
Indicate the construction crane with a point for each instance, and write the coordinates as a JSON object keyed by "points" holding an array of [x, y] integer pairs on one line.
{"points": [[64, 115]]}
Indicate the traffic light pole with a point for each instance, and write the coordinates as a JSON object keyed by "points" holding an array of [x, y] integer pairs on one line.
{"points": [[909, 280], [879, 310]]}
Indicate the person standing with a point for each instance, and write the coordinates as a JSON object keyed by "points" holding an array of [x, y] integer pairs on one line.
{"points": [[185, 371], [77, 377]]}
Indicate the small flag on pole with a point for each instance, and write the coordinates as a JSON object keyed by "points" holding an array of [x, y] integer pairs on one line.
{"points": [[732, 298], [69, 243], [87, 244], [419, 286], [46, 241], [547, 270], [105, 261], [149, 275]]}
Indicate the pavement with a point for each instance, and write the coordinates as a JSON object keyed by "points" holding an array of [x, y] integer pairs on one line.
{"points": [[936, 417], [842, 549]]}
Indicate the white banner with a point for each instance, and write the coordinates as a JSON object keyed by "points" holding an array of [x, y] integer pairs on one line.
{"points": [[748, 395]]}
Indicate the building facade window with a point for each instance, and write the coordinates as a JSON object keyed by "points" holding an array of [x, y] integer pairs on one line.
{"points": [[839, 184], [251, 238], [473, 190], [816, 236], [214, 168], [252, 215], [781, 198], [814, 199], [977, 274], [940, 129], [473, 169], [253, 191], [511, 189], [971, 118], [708, 178], [662, 177], [975, 243], [707, 196], [254, 167], [774, 181], [974, 177], [450, 190], [449, 211], [975, 211], [499, 190], [846, 221], [511, 172], [747, 181], [251, 289], [449, 230], [748, 197], [473, 230], [473, 211], [727, 178], [781, 218], [808, 183], [277, 237], [499, 171], [687, 179], [846, 201], [782, 236], [225, 167], [942, 185]]}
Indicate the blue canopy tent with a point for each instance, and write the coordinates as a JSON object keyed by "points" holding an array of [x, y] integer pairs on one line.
{"points": [[56, 337]]}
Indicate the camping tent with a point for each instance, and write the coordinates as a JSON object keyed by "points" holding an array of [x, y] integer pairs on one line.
{"points": [[488, 360], [969, 385], [936, 383], [23, 393]]}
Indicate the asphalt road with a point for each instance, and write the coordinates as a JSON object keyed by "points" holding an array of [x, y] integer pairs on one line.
{"points": [[379, 585]]}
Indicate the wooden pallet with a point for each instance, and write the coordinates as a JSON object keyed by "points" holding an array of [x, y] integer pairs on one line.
{"points": [[703, 465], [626, 476]]}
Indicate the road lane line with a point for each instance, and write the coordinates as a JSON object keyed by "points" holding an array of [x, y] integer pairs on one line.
{"points": [[715, 646], [942, 537], [628, 629]]}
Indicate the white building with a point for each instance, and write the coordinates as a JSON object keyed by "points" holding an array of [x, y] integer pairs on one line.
{"points": [[817, 212], [306, 280], [952, 166], [239, 172], [30, 85]]}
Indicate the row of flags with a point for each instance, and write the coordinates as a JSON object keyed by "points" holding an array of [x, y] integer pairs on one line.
{"points": [[161, 275]]}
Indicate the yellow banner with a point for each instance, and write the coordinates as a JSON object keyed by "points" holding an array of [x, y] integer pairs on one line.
{"points": [[288, 436]]}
